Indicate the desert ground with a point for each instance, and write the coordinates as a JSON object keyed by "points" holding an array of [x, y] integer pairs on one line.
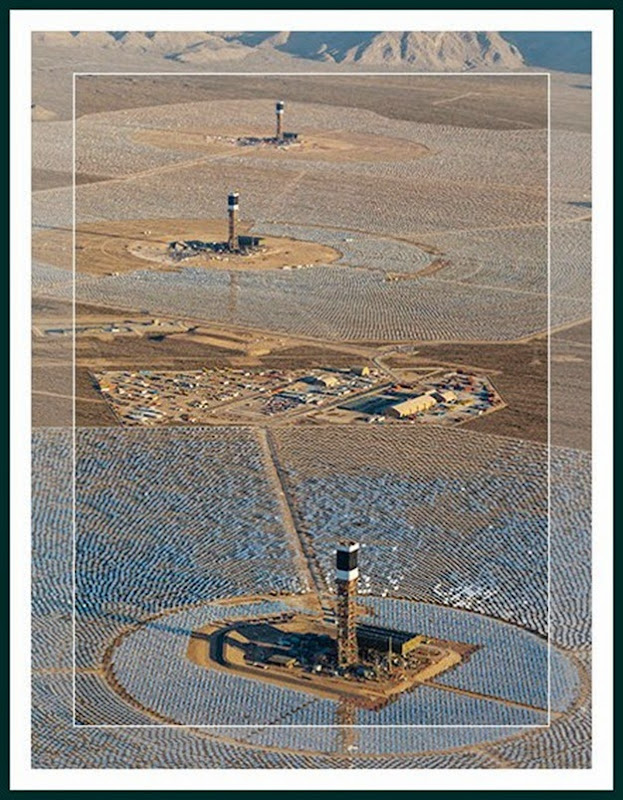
{"points": [[473, 269], [405, 246]]}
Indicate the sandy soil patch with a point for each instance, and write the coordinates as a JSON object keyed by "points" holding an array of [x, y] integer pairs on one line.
{"points": [[42, 114], [317, 145], [105, 248], [43, 179]]}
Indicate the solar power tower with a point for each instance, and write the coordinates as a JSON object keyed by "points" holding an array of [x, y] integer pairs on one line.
{"points": [[347, 574], [279, 106], [232, 213]]}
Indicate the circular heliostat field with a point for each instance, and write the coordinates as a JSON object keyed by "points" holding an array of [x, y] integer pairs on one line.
{"points": [[501, 691]]}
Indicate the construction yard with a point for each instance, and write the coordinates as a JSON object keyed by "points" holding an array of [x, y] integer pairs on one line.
{"points": [[196, 397], [249, 396]]}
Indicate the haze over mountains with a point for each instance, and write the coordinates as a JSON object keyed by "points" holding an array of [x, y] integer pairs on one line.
{"points": [[424, 51]]}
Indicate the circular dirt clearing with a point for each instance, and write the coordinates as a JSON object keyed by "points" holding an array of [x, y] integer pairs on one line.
{"points": [[105, 248], [313, 145]]}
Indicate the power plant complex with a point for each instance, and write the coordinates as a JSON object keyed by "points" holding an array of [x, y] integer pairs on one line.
{"points": [[235, 243], [354, 638], [366, 665], [281, 138]]}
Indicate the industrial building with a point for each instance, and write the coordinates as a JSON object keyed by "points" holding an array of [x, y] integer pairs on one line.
{"points": [[281, 660], [387, 640], [327, 380], [413, 405], [445, 396]]}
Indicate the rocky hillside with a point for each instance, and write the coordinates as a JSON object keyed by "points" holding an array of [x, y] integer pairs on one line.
{"points": [[449, 51], [427, 51], [424, 51]]}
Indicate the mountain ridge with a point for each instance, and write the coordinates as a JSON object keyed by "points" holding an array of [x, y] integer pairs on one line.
{"points": [[424, 51]]}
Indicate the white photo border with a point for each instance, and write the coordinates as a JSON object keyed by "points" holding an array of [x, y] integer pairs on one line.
{"points": [[23, 23]]}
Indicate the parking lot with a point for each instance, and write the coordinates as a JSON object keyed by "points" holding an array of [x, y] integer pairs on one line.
{"points": [[148, 397]]}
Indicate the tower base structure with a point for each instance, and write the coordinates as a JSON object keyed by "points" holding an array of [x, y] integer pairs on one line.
{"points": [[347, 649], [347, 575]]}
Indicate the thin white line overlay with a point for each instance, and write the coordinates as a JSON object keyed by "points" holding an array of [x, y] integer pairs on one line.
{"points": [[73, 383], [549, 401], [317, 74]]}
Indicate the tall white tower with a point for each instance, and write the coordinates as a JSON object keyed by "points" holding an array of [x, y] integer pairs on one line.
{"points": [[279, 106], [232, 213]]}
